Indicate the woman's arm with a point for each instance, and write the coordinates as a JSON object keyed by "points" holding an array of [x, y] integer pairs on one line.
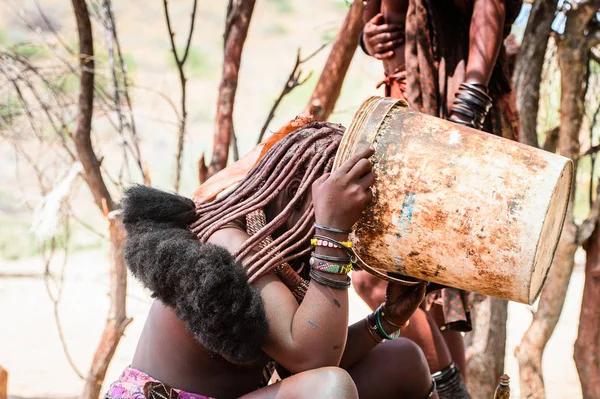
{"points": [[400, 304], [313, 334]]}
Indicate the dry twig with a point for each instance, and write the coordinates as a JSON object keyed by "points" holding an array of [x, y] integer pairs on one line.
{"points": [[294, 80], [180, 62]]}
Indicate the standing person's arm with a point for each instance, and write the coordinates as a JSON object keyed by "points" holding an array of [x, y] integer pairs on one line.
{"points": [[485, 39], [472, 101], [372, 8], [379, 39]]}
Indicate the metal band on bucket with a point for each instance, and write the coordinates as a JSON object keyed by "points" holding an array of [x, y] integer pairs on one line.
{"points": [[369, 118]]}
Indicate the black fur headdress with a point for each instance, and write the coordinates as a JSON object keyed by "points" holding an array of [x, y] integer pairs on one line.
{"points": [[208, 289]]}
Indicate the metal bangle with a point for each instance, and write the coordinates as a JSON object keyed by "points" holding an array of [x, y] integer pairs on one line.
{"points": [[480, 95], [332, 229], [372, 333], [361, 42], [327, 258], [381, 330], [329, 282], [469, 99], [390, 322], [464, 123]]}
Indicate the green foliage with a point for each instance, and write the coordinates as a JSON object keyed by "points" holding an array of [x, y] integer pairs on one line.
{"points": [[342, 4], [31, 50], [10, 107], [16, 241], [3, 37], [198, 63], [328, 35], [275, 29], [283, 6], [67, 83]]}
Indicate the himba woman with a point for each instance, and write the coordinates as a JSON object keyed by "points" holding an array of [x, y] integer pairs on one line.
{"points": [[446, 59], [256, 280]]}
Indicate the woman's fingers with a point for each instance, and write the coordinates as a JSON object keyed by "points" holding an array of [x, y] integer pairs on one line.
{"points": [[347, 166]]}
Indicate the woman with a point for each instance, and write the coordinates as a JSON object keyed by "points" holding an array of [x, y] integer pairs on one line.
{"points": [[241, 292], [446, 59]]}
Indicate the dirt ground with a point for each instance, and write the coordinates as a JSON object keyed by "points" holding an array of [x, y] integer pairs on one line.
{"points": [[31, 351]]}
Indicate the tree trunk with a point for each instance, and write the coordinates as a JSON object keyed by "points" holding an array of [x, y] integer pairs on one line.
{"points": [[117, 318], [82, 138], [486, 347], [236, 31], [587, 346], [3, 383], [530, 350], [573, 62], [329, 87], [117, 321], [528, 70]]}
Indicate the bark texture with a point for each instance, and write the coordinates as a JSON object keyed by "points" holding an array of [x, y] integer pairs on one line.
{"points": [[117, 320], [587, 345], [236, 30], [330, 83], [573, 58], [486, 346], [528, 69]]}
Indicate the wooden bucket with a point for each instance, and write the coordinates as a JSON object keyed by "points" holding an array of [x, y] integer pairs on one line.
{"points": [[456, 206]]}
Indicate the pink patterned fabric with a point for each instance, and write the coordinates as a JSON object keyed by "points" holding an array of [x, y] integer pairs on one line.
{"points": [[135, 384]]}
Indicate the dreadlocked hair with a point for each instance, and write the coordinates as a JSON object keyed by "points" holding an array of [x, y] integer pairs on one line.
{"points": [[167, 249], [308, 152]]}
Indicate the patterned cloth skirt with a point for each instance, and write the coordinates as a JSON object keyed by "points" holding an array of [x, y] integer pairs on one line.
{"points": [[135, 384]]}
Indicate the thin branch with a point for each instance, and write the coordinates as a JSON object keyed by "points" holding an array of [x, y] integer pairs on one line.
{"points": [[236, 31], [183, 82], [51, 28], [551, 140], [593, 38], [123, 67], [234, 145], [58, 297], [294, 80], [595, 54], [585, 230]]}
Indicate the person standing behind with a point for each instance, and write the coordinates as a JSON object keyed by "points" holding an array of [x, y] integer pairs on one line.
{"points": [[445, 59]]}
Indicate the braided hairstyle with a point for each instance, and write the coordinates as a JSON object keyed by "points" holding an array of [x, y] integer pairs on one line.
{"points": [[308, 152], [208, 287]]}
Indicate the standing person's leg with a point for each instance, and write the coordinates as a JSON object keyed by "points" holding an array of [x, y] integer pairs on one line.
{"points": [[454, 341]]}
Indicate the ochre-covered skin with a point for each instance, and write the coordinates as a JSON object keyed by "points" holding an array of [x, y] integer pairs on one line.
{"points": [[456, 206]]}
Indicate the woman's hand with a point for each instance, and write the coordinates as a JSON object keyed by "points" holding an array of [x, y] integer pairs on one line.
{"points": [[401, 301], [340, 197], [381, 39]]}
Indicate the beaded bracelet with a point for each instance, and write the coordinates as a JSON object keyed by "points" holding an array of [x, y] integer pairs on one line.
{"points": [[322, 278], [322, 241], [332, 268], [328, 258]]}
